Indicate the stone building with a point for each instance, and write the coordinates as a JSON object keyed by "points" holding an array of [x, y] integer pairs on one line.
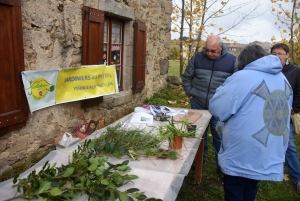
{"points": [[55, 34]]}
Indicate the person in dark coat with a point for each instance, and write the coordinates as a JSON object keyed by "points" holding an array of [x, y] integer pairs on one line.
{"points": [[206, 71], [292, 74]]}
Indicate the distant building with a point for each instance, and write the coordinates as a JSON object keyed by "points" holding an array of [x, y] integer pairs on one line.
{"points": [[235, 48]]}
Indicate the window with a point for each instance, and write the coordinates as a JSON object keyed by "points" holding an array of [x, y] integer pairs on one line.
{"points": [[113, 45], [102, 43], [13, 104]]}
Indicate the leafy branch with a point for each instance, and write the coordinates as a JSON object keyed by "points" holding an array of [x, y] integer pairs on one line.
{"points": [[88, 173]]}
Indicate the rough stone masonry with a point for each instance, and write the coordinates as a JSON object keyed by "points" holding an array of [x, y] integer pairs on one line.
{"points": [[52, 34]]}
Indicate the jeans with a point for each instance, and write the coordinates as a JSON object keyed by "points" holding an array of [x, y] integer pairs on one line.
{"points": [[216, 136], [240, 188], [291, 157]]}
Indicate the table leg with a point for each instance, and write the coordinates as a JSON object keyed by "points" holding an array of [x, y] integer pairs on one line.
{"points": [[199, 161]]}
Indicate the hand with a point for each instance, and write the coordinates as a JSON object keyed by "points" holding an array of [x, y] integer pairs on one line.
{"points": [[191, 97]]}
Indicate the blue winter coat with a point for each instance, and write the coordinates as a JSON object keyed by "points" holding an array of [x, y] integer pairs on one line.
{"points": [[255, 104], [204, 75]]}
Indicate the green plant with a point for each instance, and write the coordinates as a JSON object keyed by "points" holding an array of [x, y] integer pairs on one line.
{"points": [[172, 128], [118, 141], [87, 173], [168, 131]]}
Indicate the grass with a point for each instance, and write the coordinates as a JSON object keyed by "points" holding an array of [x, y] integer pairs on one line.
{"points": [[173, 68], [211, 187], [171, 97]]}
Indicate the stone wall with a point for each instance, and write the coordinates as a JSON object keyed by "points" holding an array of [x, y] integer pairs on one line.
{"points": [[52, 31]]}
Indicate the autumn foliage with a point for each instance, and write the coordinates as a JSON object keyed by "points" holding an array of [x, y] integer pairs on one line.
{"points": [[288, 21]]}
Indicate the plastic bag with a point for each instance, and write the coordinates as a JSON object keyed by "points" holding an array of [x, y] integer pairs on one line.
{"points": [[68, 140]]}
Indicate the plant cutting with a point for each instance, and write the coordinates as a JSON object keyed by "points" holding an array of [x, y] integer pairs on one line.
{"points": [[118, 141]]}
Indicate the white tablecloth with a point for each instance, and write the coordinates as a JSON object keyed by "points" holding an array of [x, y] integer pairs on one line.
{"points": [[159, 178]]}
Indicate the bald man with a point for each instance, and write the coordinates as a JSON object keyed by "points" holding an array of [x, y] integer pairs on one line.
{"points": [[206, 71]]}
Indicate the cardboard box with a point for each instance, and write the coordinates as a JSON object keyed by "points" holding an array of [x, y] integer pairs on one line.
{"points": [[191, 116]]}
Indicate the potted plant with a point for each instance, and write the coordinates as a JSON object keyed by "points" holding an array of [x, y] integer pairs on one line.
{"points": [[174, 132]]}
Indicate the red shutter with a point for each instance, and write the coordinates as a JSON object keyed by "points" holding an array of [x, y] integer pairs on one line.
{"points": [[139, 56], [13, 103], [92, 43]]}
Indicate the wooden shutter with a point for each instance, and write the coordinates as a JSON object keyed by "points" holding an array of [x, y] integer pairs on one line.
{"points": [[92, 36], [13, 104], [139, 56], [92, 43]]}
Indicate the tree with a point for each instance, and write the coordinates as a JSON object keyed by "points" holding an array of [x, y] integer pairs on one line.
{"points": [[288, 21], [199, 19], [174, 52]]}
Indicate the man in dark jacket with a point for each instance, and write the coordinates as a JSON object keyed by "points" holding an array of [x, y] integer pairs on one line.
{"points": [[206, 71], [292, 74]]}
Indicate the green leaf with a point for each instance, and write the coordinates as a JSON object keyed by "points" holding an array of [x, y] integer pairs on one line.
{"points": [[123, 196], [92, 167], [55, 191], [107, 148], [44, 166], [141, 197], [84, 163], [132, 190], [68, 195], [123, 168], [104, 182], [153, 199], [173, 155], [98, 194], [129, 177], [16, 178], [52, 88], [111, 185], [49, 177], [79, 185], [42, 198], [98, 172], [53, 166], [45, 185], [112, 196], [69, 171], [118, 179]]}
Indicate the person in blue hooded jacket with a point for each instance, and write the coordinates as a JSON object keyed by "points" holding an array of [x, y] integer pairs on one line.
{"points": [[254, 104]]}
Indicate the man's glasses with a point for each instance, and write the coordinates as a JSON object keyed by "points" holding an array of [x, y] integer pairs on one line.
{"points": [[212, 51], [278, 53]]}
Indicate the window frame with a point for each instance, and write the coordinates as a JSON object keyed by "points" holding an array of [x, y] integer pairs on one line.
{"points": [[110, 20]]}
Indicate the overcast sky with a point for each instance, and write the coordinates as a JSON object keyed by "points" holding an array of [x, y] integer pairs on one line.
{"points": [[260, 28]]}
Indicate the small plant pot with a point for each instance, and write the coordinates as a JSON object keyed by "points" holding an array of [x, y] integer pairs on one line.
{"points": [[177, 143]]}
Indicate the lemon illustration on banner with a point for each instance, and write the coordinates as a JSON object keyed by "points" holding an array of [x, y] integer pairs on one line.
{"points": [[40, 88]]}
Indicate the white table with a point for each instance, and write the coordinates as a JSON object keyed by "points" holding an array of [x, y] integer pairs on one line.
{"points": [[159, 178]]}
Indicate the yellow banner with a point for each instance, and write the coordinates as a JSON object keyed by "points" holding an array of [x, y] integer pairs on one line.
{"points": [[85, 82]]}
